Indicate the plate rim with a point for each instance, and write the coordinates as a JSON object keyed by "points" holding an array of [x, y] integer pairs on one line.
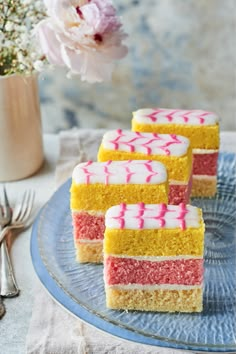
{"points": [[58, 294]]}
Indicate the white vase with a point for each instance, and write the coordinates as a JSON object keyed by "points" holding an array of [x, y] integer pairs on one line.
{"points": [[21, 147]]}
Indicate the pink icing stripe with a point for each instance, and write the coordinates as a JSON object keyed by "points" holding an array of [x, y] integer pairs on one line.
{"points": [[107, 174], [129, 174], [117, 142], [155, 137], [185, 115], [149, 168], [170, 115], [140, 215], [125, 165], [181, 217], [152, 116], [86, 172], [161, 215], [149, 150], [162, 211], [121, 215], [88, 163]]}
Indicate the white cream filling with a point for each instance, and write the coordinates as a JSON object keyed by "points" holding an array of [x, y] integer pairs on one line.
{"points": [[204, 177], [177, 183], [154, 258], [153, 287], [84, 240], [204, 151]]}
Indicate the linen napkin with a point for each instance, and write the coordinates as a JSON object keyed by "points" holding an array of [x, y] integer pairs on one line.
{"points": [[52, 329]]}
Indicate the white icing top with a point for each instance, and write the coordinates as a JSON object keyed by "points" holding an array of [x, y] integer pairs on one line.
{"points": [[146, 143], [174, 116], [152, 216], [120, 172]]}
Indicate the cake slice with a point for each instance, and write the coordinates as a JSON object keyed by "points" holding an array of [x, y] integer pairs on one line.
{"points": [[153, 257], [201, 127], [172, 150], [96, 186]]}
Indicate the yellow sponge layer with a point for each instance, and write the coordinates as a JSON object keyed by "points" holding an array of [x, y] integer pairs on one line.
{"points": [[101, 197], [203, 186], [155, 300], [179, 168], [89, 252], [201, 137], [156, 242]]}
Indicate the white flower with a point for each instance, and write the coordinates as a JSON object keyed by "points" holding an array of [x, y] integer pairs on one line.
{"points": [[9, 26], [83, 35], [39, 65]]}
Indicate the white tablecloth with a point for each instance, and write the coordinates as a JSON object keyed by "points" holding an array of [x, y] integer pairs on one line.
{"points": [[15, 324]]}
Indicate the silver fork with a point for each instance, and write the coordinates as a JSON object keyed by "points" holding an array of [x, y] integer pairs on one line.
{"points": [[9, 287], [21, 214], [5, 219]]}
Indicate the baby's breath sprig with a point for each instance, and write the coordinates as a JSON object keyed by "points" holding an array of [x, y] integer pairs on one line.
{"points": [[19, 52]]}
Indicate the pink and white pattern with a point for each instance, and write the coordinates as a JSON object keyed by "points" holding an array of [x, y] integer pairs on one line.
{"points": [[146, 143], [152, 216], [175, 116], [120, 172]]}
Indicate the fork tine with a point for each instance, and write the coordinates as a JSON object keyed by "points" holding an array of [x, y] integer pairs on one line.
{"points": [[6, 205], [21, 207], [5, 196], [27, 207], [30, 205]]}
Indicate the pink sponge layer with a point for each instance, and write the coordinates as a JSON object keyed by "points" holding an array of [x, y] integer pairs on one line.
{"points": [[180, 193], [132, 271], [87, 226], [205, 164]]}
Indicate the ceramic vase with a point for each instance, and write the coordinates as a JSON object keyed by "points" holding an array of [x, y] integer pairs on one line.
{"points": [[21, 147]]}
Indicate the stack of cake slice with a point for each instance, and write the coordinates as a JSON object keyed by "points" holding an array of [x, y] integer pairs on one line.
{"points": [[174, 151], [153, 257], [201, 127], [96, 186]]}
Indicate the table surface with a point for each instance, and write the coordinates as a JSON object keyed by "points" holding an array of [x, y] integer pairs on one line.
{"points": [[15, 323]]}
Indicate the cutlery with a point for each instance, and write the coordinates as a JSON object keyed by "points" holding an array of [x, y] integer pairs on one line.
{"points": [[5, 218], [20, 215]]}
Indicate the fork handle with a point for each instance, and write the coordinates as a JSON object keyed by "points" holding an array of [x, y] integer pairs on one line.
{"points": [[9, 286]]}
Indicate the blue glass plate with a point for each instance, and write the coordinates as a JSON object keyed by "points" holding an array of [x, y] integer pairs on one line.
{"points": [[79, 287]]}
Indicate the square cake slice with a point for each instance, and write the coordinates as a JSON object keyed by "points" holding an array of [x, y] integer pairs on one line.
{"points": [[201, 127], [153, 257], [96, 186], [172, 150]]}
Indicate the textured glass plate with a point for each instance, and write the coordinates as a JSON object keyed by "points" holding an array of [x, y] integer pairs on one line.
{"points": [[79, 287]]}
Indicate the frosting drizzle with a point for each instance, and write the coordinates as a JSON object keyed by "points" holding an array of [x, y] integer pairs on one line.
{"points": [[175, 116], [146, 143], [120, 172], [152, 216]]}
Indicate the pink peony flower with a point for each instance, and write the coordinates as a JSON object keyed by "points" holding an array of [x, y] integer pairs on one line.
{"points": [[83, 35]]}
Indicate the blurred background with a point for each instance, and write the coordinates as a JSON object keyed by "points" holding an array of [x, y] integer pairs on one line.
{"points": [[182, 54]]}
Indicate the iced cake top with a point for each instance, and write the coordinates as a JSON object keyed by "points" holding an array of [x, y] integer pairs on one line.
{"points": [[120, 172], [146, 143], [174, 116], [152, 216]]}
